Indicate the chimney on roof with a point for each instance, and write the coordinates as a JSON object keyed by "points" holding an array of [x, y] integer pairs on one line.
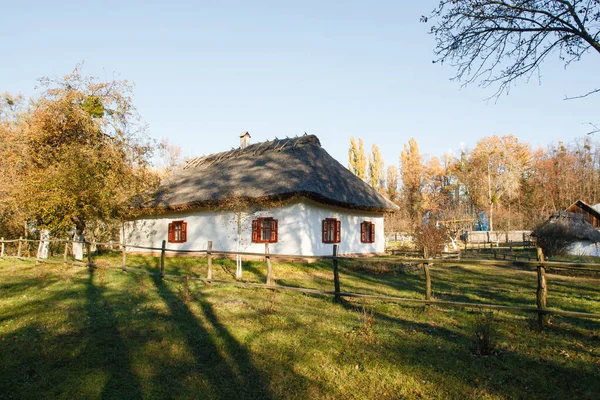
{"points": [[244, 140]]}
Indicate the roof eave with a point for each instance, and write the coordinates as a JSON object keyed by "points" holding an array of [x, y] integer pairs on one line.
{"points": [[264, 202]]}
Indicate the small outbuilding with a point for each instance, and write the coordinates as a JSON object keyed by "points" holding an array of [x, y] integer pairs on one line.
{"points": [[289, 193], [590, 213], [567, 232]]}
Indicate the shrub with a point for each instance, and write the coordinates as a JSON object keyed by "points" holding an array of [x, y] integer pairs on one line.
{"points": [[485, 334], [430, 239]]}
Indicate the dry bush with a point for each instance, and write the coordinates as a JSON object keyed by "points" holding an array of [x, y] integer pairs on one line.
{"points": [[554, 243], [430, 239], [268, 307], [184, 291], [366, 331], [485, 334]]}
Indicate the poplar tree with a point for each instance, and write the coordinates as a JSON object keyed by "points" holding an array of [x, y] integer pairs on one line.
{"points": [[357, 161], [392, 182], [411, 169], [376, 168]]}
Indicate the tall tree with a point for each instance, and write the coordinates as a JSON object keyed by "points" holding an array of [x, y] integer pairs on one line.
{"points": [[13, 165], [170, 157], [411, 169], [376, 168], [87, 153], [494, 171], [392, 183], [357, 161], [500, 41]]}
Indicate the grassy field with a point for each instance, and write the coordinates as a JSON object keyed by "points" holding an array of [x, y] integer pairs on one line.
{"points": [[67, 332]]}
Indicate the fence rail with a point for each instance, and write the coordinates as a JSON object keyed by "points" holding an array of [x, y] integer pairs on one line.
{"points": [[540, 266]]}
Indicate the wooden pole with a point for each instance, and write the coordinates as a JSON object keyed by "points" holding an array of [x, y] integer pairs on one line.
{"points": [[124, 253], [542, 289], [162, 259], [89, 253], [2, 249], [427, 281], [209, 260], [37, 256], [66, 253], [20, 246], [336, 275], [269, 267]]}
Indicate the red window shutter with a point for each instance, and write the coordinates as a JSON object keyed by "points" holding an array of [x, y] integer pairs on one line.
{"points": [[372, 232], [274, 234], [363, 232], [184, 232], [171, 233], [338, 226], [255, 231], [325, 231]]}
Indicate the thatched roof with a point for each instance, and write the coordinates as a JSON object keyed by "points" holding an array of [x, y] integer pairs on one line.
{"points": [[276, 170], [567, 225]]}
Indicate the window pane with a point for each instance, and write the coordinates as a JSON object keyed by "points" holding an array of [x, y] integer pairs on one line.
{"points": [[265, 229]]}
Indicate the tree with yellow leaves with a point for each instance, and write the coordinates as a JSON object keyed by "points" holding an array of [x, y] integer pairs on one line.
{"points": [[411, 169], [357, 161], [87, 154], [376, 169]]}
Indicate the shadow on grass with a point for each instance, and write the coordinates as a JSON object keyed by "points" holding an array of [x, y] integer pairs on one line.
{"points": [[104, 336], [223, 362], [445, 356]]}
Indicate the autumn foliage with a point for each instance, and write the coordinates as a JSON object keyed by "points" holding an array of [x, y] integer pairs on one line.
{"points": [[501, 181], [76, 156]]}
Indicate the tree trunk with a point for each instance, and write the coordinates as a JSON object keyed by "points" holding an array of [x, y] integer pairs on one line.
{"points": [[491, 218], [490, 200]]}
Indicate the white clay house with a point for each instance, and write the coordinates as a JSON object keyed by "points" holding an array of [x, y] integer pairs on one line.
{"points": [[289, 193]]}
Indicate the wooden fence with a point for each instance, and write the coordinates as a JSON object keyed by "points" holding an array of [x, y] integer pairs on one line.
{"points": [[540, 266]]}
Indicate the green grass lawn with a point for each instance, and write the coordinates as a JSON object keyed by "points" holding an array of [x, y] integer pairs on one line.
{"points": [[71, 333]]}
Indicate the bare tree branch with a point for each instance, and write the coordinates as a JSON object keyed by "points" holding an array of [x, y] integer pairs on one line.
{"points": [[583, 95], [496, 42]]}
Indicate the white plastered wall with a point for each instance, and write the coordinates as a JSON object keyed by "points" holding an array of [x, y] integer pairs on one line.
{"points": [[299, 230], [585, 248]]}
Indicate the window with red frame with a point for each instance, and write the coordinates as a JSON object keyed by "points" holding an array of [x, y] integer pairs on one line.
{"points": [[367, 232], [331, 230], [177, 232], [264, 230]]}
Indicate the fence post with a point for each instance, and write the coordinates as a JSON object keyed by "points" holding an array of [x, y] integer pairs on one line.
{"points": [[269, 267], [37, 255], [124, 254], [427, 281], [336, 275], [66, 253], [209, 259], [542, 289], [2, 249], [162, 259], [19, 248], [88, 246]]}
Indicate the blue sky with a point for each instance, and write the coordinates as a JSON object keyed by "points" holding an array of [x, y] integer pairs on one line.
{"points": [[206, 71]]}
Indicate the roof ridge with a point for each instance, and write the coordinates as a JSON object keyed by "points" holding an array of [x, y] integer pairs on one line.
{"points": [[255, 148]]}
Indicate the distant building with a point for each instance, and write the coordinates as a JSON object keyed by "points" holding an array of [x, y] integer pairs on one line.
{"points": [[591, 213], [572, 229]]}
